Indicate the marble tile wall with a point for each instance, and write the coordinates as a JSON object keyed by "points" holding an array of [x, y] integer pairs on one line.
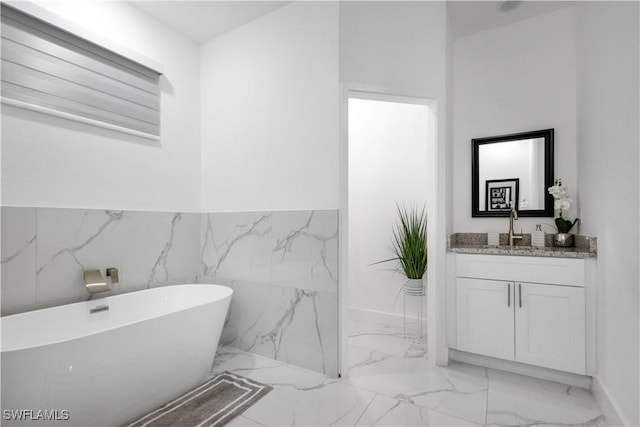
{"points": [[45, 250], [283, 267]]}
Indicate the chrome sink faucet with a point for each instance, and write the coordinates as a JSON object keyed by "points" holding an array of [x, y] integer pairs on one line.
{"points": [[513, 215]]}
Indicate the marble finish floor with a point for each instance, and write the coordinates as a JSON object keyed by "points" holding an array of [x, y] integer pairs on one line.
{"points": [[392, 383]]}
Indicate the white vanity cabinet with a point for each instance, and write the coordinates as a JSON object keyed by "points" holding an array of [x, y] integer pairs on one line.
{"points": [[526, 309]]}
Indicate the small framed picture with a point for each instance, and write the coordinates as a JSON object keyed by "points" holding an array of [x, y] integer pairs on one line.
{"points": [[502, 194]]}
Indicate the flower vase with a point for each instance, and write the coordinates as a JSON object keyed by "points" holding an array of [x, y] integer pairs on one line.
{"points": [[563, 240]]}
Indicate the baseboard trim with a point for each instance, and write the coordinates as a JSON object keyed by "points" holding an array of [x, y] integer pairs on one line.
{"points": [[379, 317], [568, 378], [607, 404]]}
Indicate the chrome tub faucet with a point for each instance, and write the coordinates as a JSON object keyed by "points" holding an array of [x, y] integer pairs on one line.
{"points": [[94, 282]]}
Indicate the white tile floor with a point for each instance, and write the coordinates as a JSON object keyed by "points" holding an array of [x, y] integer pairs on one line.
{"points": [[391, 383]]}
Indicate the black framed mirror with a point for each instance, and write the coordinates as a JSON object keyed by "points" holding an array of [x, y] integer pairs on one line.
{"points": [[512, 169]]}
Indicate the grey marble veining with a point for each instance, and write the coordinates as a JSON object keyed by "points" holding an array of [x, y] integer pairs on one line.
{"points": [[65, 234], [162, 248], [386, 339], [305, 253], [292, 325], [160, 270], [476, 243], [283, 267], [45, 250], [382, 389], [296, 249], [237, 246], [513, 405], [19, 239], [70, 241], [417, 381]]}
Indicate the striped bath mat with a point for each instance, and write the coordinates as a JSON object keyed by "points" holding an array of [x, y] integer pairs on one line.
{"points": [[214, 403]]}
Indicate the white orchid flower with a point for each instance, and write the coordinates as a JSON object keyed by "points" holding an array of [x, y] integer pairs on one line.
{"points": [[557, 191], [562, 204]]}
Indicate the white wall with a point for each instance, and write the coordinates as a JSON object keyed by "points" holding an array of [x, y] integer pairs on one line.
{"points": [[398, 45], [270, 112], [513, 79], [388, 164], [51, 162], [608, 136], [402, 48]]}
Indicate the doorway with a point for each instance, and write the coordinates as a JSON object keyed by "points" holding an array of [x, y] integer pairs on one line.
{"points": [[390, 162]]}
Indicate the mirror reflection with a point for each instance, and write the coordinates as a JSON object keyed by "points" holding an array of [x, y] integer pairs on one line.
{"points": [[525, 167], [513, 170]]}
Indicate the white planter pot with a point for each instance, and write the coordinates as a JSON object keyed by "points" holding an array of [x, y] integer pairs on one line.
{"points": [[414, 287]]}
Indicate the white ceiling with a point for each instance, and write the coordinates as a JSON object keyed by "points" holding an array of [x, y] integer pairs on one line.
{"points": [[471, 17], [206, 19]]}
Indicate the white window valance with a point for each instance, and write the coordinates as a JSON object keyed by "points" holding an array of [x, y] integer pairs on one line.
{"points": [[49, 69]]}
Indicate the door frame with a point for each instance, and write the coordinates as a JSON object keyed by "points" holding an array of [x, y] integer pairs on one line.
{"points": [[437, 225]]}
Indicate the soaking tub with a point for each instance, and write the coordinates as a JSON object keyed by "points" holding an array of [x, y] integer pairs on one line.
{"points": [[85, 365]]}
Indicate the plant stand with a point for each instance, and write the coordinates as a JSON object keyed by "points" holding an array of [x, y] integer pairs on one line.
{"points": [[413, 290]]}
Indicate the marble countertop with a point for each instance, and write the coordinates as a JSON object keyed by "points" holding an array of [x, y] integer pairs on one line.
{"points": [[476, 243]]}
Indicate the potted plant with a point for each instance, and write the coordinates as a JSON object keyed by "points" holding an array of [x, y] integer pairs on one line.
{"points": [[562, 203], [410, 246]]}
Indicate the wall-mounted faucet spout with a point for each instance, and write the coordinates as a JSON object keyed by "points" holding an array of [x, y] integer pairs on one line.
{"points": [[94, 282], [513, 215]]}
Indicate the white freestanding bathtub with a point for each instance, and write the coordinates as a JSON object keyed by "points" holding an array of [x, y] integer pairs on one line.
{"points": [[67, 366]]}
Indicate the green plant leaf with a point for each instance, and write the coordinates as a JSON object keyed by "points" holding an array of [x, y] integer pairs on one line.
{"points": [[410, 241], [563, 225]]}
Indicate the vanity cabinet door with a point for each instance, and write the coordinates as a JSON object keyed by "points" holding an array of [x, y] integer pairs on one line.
{"points": [[485, 317], [550, 326]]}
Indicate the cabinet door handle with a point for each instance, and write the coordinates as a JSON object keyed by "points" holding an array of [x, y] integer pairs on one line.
{"points": [[520, 294], [508, 294]]}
